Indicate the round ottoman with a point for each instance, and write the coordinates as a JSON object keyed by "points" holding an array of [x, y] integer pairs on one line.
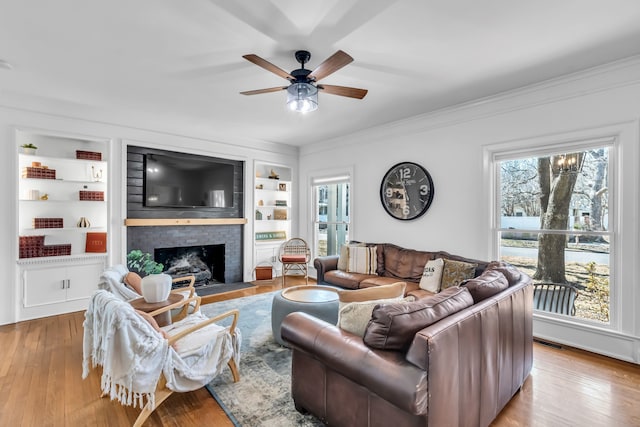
{"points": [[318, 301]]}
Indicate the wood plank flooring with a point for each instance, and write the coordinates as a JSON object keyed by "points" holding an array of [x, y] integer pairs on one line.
{"points": [[41, 384]]}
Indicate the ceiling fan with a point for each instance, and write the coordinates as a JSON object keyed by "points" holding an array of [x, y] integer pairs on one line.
{"points": [[302, 93]]}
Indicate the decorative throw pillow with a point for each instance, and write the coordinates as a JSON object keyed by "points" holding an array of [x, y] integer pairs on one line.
{"points": [[359, 303], [454, 272], [362, 260], [343, 259], [432, 275], [153, 323], [354, 316], [393, 326], [134, 281], [486, 285]]}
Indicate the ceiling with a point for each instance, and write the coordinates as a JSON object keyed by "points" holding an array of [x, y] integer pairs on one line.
{"points": [[178, 64]]}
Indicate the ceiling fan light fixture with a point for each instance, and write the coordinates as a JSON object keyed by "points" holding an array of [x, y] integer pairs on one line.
{"points": [[302, 97]]}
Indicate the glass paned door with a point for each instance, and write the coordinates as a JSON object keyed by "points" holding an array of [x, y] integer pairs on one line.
{"points": [[331, 217]]}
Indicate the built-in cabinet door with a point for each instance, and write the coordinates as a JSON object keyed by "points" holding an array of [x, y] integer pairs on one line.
{"points": [[45, 286], [83, 280], [54, 285]]}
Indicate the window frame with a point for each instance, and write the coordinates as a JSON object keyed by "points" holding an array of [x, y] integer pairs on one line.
{"points": [[525, 149], [337, 177]]}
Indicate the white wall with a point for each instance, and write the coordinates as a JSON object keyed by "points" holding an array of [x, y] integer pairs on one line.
{"points": [[48, 117], [451, 144]]}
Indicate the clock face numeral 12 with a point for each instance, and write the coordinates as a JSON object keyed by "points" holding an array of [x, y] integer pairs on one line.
{"points": [[406, 191]]}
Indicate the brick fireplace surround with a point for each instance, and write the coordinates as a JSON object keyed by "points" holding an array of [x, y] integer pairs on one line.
{"points": [[150, 237]]}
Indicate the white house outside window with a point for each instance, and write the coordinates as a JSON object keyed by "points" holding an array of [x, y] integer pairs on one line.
{"points": [[554, 222]]}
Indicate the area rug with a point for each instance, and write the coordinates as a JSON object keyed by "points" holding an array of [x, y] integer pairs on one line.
{"points": [[262, 397], [219, 288]]}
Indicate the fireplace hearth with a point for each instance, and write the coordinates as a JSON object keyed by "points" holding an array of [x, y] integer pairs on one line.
{"points": [[205, 262]]}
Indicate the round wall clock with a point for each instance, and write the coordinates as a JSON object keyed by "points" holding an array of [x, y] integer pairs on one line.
{"points": [[406, 191]]}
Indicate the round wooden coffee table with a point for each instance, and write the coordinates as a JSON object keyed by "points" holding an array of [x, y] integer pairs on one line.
{"points": [[318, 301], [163, 319]]}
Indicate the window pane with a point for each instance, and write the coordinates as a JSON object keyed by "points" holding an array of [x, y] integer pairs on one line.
{"points": [[330, 237], [583, 263], [560, 192]]}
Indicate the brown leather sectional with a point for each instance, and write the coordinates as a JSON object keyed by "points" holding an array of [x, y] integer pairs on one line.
{"points": [[394, 263], [461, 369]]}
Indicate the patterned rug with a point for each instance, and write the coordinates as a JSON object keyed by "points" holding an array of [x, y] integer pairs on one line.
{"points": [[262, 397]]}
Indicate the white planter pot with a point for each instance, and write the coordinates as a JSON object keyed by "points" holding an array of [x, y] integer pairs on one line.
{"points": [[156, 287]]}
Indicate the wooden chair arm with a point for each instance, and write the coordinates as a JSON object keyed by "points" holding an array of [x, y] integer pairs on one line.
{"points": [[191, 279], [195, 299], [235, 313]]}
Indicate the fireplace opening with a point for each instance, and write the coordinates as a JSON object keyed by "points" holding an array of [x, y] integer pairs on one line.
{"points": [[205, 262]]}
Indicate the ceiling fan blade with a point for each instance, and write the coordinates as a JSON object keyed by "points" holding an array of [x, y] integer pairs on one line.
{"points": [[351, 92], [259, 91], [331, 65], [268, 66]]}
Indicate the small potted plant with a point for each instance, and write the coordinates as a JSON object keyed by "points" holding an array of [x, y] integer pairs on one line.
{"points": [[143, 263], [28, 148], [156, 285]]}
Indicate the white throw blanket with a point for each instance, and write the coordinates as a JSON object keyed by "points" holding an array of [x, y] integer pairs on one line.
{"points": [[112, 280], [134, 355]]}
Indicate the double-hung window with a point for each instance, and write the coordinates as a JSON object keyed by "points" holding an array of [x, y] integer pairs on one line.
{"points": [[553, 220]]}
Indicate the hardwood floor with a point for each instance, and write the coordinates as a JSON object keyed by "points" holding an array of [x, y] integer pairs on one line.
{"points": [[41, 384]]}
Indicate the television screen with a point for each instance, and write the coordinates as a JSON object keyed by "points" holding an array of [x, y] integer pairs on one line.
{"points": [[187, 181]]}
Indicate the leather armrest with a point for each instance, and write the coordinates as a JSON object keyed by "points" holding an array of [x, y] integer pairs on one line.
{"points": [[323, 264], [385, 373]]}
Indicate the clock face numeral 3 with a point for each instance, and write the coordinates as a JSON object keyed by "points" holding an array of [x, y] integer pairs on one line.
{"points": [[406, 191]]}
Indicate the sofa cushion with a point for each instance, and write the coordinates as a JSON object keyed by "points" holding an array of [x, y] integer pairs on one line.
{"points": [[404, 264], [392, 290], [371, 281], [355, 306], [362, 260], [486, 285], [294, 258], [510, 272], [454, 272], [393, 326], [432, 275], [418, 293], [346, 280]]}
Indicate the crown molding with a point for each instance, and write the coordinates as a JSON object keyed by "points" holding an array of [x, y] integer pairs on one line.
{"points": [[621, 73]]}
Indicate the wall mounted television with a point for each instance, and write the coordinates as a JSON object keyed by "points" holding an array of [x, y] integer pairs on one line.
{"points": [[176, 180]]}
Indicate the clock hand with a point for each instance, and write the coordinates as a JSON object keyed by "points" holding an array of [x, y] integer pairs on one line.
{"points": [[406, 195]]}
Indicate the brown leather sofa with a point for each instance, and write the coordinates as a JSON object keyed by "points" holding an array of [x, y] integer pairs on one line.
{"points": [[461, 369], [394, 263]]}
